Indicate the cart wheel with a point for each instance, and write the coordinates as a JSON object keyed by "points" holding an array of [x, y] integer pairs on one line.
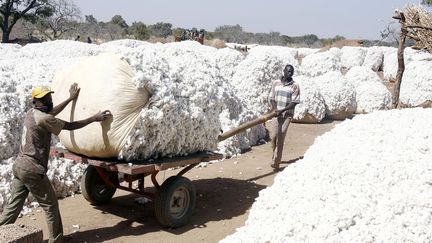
{"points": [[175, 201], [94, 188]]}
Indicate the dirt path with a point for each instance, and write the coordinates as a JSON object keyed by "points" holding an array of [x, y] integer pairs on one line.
{"points": [[225, 193]]}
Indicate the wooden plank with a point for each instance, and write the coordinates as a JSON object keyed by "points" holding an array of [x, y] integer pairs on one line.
{"points": [[140, 167]]}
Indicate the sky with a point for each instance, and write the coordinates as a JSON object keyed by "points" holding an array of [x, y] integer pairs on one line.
{"points": [[353, 19]]}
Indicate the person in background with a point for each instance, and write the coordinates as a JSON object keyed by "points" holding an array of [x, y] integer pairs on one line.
{"points": [[31, 165], [89, 40], [77, 38], [284, 93]]}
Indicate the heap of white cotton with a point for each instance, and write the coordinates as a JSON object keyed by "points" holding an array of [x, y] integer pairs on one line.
{"points": [[338, 93], [64, 174], [367, 180], [352, 56], [416, 87], [317, 64], [371, 93]]}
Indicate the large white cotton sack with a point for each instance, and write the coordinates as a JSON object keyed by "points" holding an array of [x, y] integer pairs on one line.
{"points": [[416, 86], [106, 83]]}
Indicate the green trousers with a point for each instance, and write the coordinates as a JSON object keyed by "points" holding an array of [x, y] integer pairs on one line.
{"points": [[41, 189]]}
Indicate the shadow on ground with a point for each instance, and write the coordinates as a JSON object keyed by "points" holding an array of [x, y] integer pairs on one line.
{"points": [[217, 199]]}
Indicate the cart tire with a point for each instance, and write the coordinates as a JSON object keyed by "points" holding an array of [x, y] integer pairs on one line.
{"points": [[175, 202], [94, 188]]}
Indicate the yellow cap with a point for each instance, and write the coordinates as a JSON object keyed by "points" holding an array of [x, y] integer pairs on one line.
{"points": [[40, 92]]}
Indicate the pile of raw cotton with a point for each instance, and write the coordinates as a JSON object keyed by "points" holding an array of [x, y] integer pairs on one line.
{"points": [[367, 180], [64, 175]]}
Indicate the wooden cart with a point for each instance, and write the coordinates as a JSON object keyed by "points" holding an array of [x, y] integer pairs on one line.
{"points": [[174, 200]]}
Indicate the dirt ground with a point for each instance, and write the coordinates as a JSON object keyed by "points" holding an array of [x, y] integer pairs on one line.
{"points": [[225, 192]]}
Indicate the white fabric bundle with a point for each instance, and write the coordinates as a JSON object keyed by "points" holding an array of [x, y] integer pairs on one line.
{"points": [[106, 84]]}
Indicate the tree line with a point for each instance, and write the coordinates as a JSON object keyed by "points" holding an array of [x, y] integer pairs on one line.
{"points": [[40, 20]]}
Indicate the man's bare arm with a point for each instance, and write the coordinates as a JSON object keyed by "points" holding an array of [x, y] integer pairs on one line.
{"points": [[101, 116], [74, 92]]}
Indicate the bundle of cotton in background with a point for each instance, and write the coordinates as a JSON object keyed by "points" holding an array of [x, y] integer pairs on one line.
{"points": [[352, 56], [374, 58], [367, 180], [371, 93], [339, 95], [319, 63], [311, 108]]}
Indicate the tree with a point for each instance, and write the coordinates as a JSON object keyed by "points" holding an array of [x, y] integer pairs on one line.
{"points": [[90, 19], [64, 13], [230, 33], [140, 31], [118, 20], [427, 2], [13, 10], [161, 29]]}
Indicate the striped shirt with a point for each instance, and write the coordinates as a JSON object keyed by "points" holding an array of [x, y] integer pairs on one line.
{"points": [[284, 93]]}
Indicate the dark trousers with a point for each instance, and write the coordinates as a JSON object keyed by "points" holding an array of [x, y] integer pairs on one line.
{"points": [[41, 189]]}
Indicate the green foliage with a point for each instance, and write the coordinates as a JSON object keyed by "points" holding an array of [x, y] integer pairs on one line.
{"points": [[13, 10], [177, 31], [139, 30], [427, 2], [90, 19], [230, 33], [118, 20], [161, 29]]}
